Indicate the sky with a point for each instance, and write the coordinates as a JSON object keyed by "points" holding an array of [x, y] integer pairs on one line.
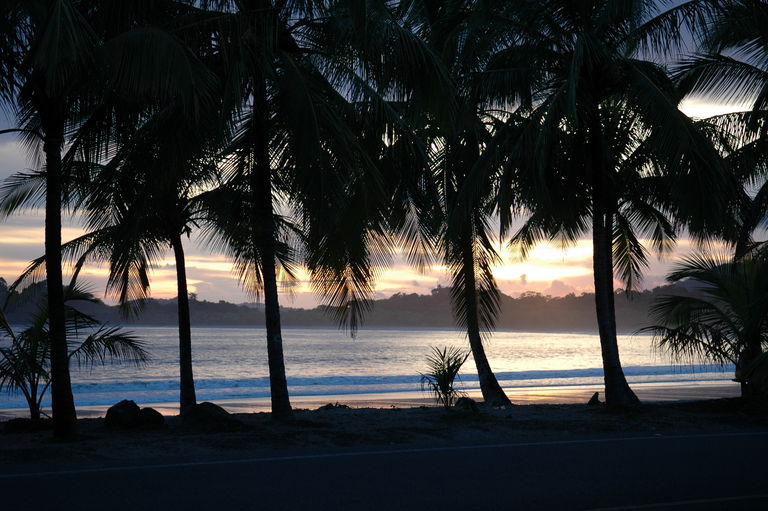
{"points": [[548, 269]]}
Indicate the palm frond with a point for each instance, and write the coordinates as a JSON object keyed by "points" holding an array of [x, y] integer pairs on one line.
{"points": [[22, 190], [443, 369], [629, 255], [109, 345]]}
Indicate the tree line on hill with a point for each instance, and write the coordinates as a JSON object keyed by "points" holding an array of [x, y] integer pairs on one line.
{"points": [[530, 311]]}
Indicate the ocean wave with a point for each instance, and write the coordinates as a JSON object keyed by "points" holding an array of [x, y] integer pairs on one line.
{"points": [[94, 393]]}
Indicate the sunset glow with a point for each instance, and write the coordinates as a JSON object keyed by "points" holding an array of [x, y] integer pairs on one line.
{"points": [[548, 269], [701, 108]]}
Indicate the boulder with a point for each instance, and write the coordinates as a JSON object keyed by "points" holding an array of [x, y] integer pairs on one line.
{"points": [[466, 404], [594, 400], [151, 417], [212, 409], [123, 415], [208, 415]]}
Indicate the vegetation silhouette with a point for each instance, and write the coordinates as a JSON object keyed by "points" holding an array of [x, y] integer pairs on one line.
{"points": [[599, 146], [25, 363], [326, 134], [455, 131], [301, 181], [443, 366], [726, 322], [529, 312]]}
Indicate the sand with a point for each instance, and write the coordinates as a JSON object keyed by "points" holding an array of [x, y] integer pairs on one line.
{"points": [[394, 422], [647, 392]]}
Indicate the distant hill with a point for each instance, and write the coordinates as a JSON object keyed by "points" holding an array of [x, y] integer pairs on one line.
{"points": [[529, 312]]}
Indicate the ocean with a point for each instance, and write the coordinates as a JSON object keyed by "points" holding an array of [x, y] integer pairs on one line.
{"points": [[230, 363]]}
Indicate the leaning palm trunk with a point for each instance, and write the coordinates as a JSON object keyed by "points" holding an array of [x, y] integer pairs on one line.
{"points": [[281, 405], [62, 401], [264, 237], [187, 398], [617, 390], [492, 392]]}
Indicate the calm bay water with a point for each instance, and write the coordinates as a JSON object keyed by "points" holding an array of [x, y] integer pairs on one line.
{"points": [[231, 363]]}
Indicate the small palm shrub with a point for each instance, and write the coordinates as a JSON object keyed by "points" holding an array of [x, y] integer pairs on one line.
{"points": [[25, 362], [726, 320], [443, 367]]}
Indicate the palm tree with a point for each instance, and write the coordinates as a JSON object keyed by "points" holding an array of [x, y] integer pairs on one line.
{"points": [[599, 144], [745, 152], [64, 62], [302, 182], [458, 37], [724, 319], [140, 206], [732, 68], [25, 364], [49, 50], [443, 366], [145, 200]]}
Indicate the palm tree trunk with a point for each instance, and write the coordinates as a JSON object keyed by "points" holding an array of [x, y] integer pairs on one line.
{"points": [[752, 350], [31, 395], [492, 392], [62, 401], [264, 238], [187, 398], [617, 390], [34, 410]]}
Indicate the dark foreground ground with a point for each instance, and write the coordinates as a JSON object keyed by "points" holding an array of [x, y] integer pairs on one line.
{"points": [[702, 455]]}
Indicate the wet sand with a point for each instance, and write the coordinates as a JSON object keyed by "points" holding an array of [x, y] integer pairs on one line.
{"points": [[647, 392]]}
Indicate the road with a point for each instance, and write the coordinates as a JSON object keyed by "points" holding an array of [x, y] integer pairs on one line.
{"points": [[698, 472]]}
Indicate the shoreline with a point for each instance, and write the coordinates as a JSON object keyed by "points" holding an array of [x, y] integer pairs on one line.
{"points": [[554, 395]]}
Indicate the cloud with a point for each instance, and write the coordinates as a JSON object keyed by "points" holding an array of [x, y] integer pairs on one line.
{"points": [[549, 269], [559, 288]]}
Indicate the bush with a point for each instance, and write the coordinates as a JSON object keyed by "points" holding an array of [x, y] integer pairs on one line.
{"points": [[443, 368]]}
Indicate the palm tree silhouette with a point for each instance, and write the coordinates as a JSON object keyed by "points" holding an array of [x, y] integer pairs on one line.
{"points": [[723, 319], [455, 131], [146, 200], [24, 364], [302, 166], [732, 68], [599, 144], [64, 66]]}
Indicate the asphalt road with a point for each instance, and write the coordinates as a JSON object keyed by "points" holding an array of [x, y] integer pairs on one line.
{"points": [[699, 472]]}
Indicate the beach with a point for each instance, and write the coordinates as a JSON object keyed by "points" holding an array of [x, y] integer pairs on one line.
{"points": [[376, 400], [402, 452], [370, 421]]}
